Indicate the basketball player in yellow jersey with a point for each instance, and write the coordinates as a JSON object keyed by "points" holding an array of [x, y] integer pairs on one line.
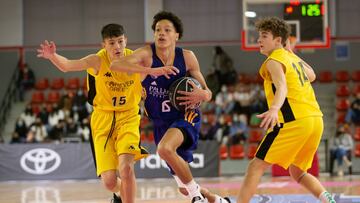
{"points": [[115, 121], [293, 122]]}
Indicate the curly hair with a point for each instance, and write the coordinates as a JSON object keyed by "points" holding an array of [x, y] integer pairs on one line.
{"points": [[164, 15], [278, 27]]}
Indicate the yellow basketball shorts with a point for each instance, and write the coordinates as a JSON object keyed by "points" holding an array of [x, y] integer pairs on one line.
{"points": [[294, 143], [115, 133]]}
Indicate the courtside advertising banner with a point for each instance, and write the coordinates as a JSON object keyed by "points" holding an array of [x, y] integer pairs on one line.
{"points": [[75, 161]]}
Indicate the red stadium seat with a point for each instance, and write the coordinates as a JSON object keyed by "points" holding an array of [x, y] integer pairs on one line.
{"points": [[244, 78], [357, 150], [342, 104], [237, 151], [42, 84], [357, 134], [252, 151], [343, 90], [53, 97], [73, 84], [326, 77], [35, 109], [151, 137], [255, 136], [355, 76], [340, 117], [223, 152], [57, 83], [342, 76], [37, 97], [143, 137], [356, 89]]}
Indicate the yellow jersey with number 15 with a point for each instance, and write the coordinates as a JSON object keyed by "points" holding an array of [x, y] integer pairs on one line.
{"points": [[300, 100], [113, 91]]}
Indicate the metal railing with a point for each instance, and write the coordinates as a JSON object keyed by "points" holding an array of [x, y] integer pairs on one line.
{"points": [[9, 98]]}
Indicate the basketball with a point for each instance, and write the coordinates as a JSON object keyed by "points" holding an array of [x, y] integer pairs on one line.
{"points": [[183, 85]]}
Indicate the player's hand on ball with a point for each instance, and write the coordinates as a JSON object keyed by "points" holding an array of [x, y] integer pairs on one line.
{"points": [[47, 50], [191, 99]]}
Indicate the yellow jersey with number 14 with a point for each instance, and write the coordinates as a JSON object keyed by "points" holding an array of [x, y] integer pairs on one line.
{"points": [[113, 91], [300, 100]]}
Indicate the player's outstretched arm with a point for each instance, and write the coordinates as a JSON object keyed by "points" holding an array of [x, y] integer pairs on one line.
{"points": [[47, 50], [134, 64]]}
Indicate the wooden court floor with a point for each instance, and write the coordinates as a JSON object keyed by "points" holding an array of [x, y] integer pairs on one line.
{"points": [[277, 190]]}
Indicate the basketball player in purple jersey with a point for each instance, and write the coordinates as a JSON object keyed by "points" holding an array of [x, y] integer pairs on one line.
{"points": [[176, 133]]}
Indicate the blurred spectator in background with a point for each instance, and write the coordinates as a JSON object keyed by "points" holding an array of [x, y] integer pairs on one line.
{"points": [[25, 80], [223, 130], [57, 132], [84, 130], [205, 128], [71, 128], [353, 114], [213, 82], [238, 130], [224, 102], [37, 132], [21, 130], [340, 145], [15, 138], [243, 98], [44, 114], [79, 106], [224, 67], [28, 116]]}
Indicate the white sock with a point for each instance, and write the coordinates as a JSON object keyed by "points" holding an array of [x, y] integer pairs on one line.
{"points": [[326, 197], [219, 199], [194, 189]]}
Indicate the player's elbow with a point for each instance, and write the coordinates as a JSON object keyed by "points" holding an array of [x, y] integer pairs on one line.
{"points": [[312, 77]]}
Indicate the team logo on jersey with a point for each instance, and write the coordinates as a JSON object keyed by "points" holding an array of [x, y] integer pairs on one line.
{"points": [[132, 147], [158, 91], [108, 74], [119, 87], [153, 83]]}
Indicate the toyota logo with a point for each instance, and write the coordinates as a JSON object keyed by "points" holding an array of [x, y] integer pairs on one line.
{"points": [[40, 161]]}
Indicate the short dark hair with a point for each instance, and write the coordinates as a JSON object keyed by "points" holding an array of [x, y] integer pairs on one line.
{"points": [[164, 15], [277, 26], [112, 30]]}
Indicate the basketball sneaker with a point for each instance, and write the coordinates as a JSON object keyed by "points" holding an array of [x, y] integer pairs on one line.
{"points": [[198, 199], [116, 199], [326, 197], [227, 199]]}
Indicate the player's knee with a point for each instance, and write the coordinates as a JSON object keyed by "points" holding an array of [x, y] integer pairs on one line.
{"points": [[164, 151], [109, 183], [296, 173], [126, 171]]}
